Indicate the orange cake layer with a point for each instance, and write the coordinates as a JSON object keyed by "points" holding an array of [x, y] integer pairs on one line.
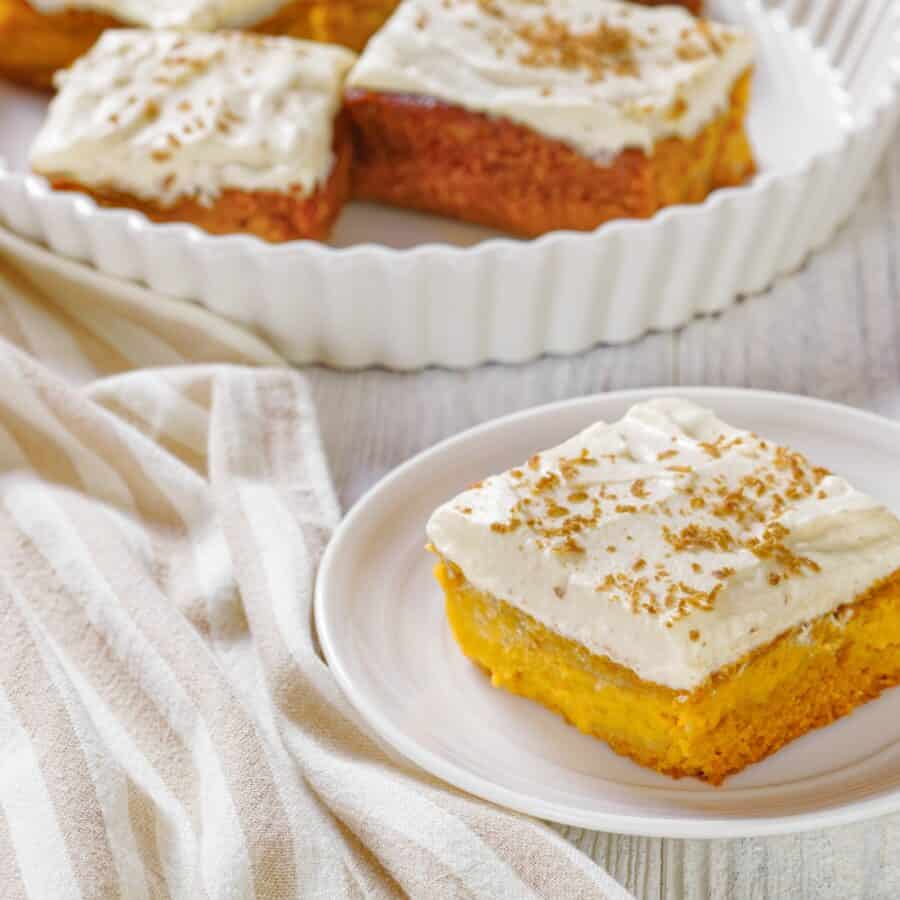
{"points": [[36, 45], [432, 156], [805, 679], [271, 215], [347, 22], [695, 6]]}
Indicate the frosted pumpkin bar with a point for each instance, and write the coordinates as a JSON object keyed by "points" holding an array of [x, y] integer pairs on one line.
{"points": [[536, 115], [229, 131], [693, 594], [39, 37]]}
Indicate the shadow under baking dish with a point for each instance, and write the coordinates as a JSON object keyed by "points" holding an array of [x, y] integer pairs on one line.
{"points": [[381, 622]]}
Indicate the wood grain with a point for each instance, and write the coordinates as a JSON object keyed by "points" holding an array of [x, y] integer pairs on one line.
{"points": [[831, 330]]}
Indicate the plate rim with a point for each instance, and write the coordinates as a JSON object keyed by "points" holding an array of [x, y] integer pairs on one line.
{"points": [[700, 826]]}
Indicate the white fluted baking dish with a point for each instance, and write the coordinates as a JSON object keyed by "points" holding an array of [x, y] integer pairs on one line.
{"points": [[405, 290]]}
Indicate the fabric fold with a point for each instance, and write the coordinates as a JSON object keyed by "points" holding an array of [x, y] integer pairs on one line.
{"points": [[167, 725]]}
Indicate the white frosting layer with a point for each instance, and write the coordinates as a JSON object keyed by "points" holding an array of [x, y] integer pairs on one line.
{"points": [[707, 542], [161, 114], [196, 15], [673, 78]]}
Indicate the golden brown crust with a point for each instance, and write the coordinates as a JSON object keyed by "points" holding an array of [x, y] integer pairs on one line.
{"points": [[271, 215], [424, 154], [803, 680]]}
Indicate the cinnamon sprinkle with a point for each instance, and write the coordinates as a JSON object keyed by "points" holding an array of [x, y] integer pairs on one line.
{"points": [[748, 508], [552, 44]]}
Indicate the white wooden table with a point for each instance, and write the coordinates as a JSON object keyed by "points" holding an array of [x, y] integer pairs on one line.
{"points": [[832, 331]]}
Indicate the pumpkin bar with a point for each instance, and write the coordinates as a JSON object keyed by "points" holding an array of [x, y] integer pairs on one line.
{"points": [[39, 37], [691, 593], [231, 132], [537, 116]]}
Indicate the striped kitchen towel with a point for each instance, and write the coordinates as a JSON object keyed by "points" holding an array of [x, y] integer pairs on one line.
{"points": [[167, 727]]}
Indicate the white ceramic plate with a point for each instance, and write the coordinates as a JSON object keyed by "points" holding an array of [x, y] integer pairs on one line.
{"points": [[380, 620], [406, 290]]}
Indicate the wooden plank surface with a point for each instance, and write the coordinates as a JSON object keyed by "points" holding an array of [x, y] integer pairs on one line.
{"points": [[832, 331]]}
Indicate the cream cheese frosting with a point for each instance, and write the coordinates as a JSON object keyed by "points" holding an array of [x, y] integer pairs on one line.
{"points": [[599, 75], [195, 15], [669, 541], [161, 114]]}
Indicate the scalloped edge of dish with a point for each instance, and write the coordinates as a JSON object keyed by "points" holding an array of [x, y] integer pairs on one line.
{"points": [[504, 300]]}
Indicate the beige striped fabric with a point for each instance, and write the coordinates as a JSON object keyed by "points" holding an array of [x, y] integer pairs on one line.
{"points": [[167, 728]]}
